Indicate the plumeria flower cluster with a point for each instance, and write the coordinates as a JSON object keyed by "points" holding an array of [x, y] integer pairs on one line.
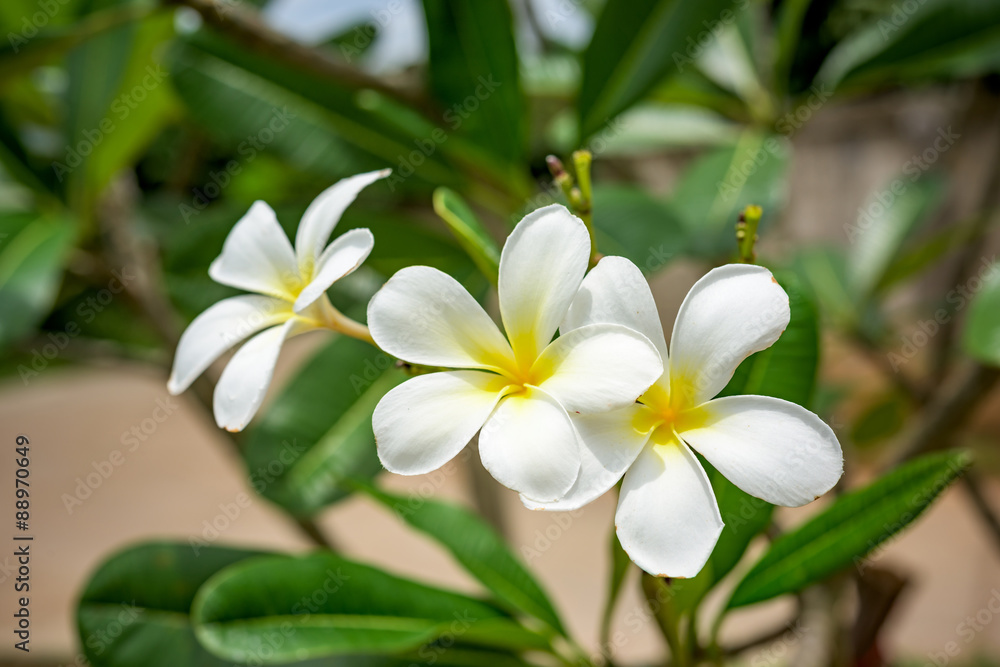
{"points": [[668, 520], [561, 419], [520, 390], [289, 299]]}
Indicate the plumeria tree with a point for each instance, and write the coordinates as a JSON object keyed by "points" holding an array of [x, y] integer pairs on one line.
{"points": [[472, 240]]}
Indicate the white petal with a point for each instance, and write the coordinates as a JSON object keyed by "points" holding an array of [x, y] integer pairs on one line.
{"points": [[732, 312], [245, 380], [616, 292], [770, 448], [425, 316], [530, 446], [426, 421], [541, 267], [610, 443], [342, 257], [218, 329], [323, 215], [598, 367], [257, 256], [667, 520]]}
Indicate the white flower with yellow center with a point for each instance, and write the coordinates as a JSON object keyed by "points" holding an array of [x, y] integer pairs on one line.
{"points": [[290, 297], [668, 520], [521, 392]]}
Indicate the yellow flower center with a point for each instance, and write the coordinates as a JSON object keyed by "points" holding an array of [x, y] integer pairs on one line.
{"points": [[667, 413]]}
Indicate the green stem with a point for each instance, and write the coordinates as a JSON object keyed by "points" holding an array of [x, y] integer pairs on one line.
{"points": [[746, 233]]}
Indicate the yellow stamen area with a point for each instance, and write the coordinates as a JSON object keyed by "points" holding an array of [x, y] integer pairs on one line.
{"points": [[668, 413]]}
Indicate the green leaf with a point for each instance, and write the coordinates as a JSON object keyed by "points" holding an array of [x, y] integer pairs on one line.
{"points": [[471, 234], [890, 217], [636, 45], [787, 369], [479, 549], [844, 533], [927, 39], [880, 420], [317, 434], [236, 107], [324, 605], [719, 185], [823, 272], [620, 562], [631, 223], [32, 250], [95, 72], [134, 610], [325, 128], [981, 336], [916, 257], [142, 107], [473, 72]]}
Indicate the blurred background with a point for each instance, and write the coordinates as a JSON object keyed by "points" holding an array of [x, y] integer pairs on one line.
{"points": [[133, 135]]}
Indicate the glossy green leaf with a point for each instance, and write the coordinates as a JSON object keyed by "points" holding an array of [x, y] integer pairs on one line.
{"points": [[317, 434], [141, 107], [787, 369], [320, 604], [635, 45], [719, 185], [981, 336], [474, 73], [630, 222], [926, 252], [822, 272], [853, 526], [917, 41], [312, 122], [241, 111], [32, 250], [479, 549], [471, 234], [95, 71], [888, 219], [135, 608]]}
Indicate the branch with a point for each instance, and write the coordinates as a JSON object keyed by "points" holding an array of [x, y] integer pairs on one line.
{"points": [[973, 485], [947, 411], [983, 117], [246, 27], [146, 289]]}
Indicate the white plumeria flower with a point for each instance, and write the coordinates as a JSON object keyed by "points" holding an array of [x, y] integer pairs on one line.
{"points": [[668, 520], [290, 299], [518, 392]]}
